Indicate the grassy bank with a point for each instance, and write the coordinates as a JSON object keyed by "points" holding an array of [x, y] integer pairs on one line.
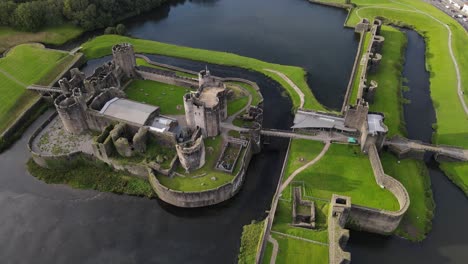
{"points": [[101, 46], [452, 125], [95, 176], [24, 65], [458, 173], [250, 240], [56, 35]]}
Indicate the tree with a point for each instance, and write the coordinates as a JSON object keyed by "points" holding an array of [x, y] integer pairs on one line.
{"points": [[121, 29], [30, 16], [109, 31]]}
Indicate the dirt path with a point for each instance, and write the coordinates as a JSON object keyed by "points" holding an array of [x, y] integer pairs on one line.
{"points": [[296, 172], [449, 42], [293, 85]]}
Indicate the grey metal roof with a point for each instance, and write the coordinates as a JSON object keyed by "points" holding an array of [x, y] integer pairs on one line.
{"points": [[309, 119], [376, 124], [128, 110]]}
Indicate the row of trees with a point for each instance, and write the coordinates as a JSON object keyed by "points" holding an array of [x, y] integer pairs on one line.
{"points": [[31, 15]]}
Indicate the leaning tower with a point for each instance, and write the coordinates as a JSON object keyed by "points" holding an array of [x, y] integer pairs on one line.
{"points": [[124, 57]]}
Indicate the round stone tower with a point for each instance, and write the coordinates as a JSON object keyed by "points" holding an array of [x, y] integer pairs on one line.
{"points": [[192, 154], [124, 57], [72, 113]]}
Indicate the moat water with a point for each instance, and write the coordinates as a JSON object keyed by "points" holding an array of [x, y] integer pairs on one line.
{"points": [[58, 224], [448, 240]]}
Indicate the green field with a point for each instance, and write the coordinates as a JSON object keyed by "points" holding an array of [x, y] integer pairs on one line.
{"points": [[250, 241], [25, 65], [346, 171], [101, 46], [267, 253], [300, 252], [55, 35], [413, 174], [301, 152], [389, 77], [200, 180], [168, 97], [256, 97]]}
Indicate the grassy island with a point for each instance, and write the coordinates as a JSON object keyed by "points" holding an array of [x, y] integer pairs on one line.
{"points": [[250, 242]]}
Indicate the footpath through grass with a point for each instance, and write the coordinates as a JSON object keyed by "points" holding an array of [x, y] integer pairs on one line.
{"points": [[101, 46], [55, 35], [24, 65]]}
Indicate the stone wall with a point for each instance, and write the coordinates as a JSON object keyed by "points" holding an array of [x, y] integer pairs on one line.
{"points": [[338, 236], [204, 198], [147, 73]]}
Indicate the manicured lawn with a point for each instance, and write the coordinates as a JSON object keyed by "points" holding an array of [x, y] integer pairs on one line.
{"points": [[458, 173], [251, 235], [302, 151], [55, 35], [359, 70], [101, 46], [92, 175], [267, 253], [297, 251], [237, 104], [24, 65], [168, 97], [346, 171], [388, 95], [414, 176], [200, 180]]}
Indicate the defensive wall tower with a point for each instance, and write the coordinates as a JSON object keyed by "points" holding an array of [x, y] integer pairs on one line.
{"points": [[72, 111], [124, 57], [207, 107], [192, 153], [356, 116]]}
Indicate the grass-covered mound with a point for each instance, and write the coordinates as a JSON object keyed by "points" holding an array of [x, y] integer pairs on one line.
{"points": [[102, 45], [168, 97], [458, 173], [250, 242], [93, 175], [56, 35], [346, 171], [25, 65]]}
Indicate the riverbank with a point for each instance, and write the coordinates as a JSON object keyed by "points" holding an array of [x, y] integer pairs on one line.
{"points": [[101, 46]]}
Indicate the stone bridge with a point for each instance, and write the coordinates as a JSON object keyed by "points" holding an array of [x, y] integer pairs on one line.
{"points": [[406, 148], [42, 88]]}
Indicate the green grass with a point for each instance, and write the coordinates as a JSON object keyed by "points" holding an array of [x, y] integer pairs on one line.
{"points": [[267, 253], [55, 35], [389, 77], [355, 87], [200, 180], [95, 176], [101, 46], [346, 171], [413, 174], [251, 236], [237, 104], [256, 96], [297, 251], [283, 219], [24, 65], [302, 151], [168, 97], [458, 173], [452, 125]]}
